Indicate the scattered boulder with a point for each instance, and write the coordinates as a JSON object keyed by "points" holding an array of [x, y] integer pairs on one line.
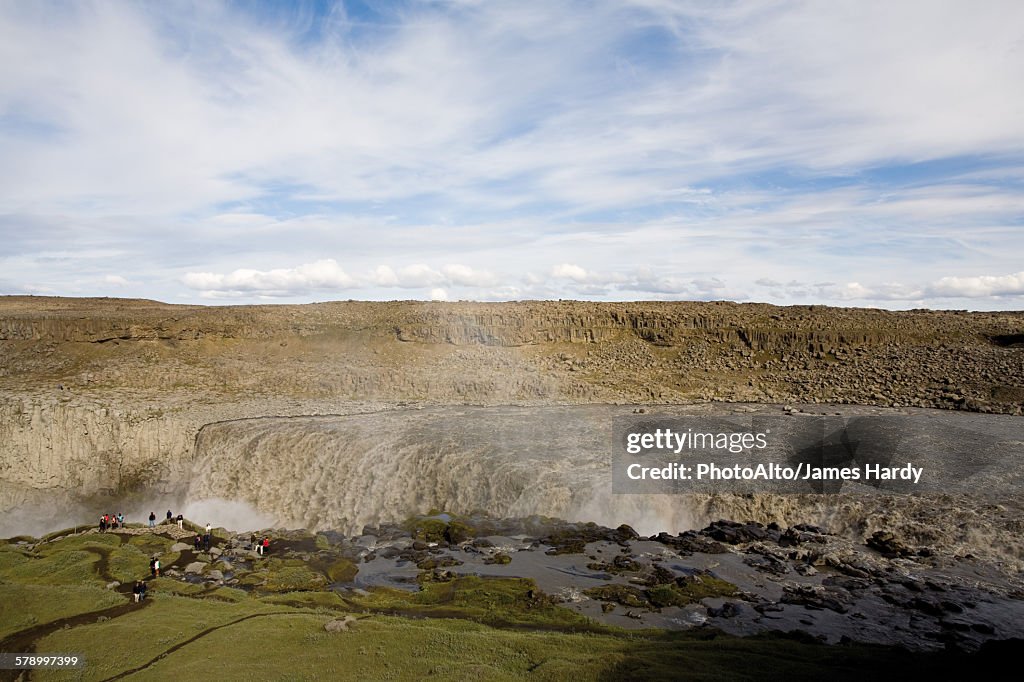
{"points": [[340, 624]]}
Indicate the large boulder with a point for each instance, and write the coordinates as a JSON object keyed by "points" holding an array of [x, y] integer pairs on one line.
{"points": [[339, 624]]}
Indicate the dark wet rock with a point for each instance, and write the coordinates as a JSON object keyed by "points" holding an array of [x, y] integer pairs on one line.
{"points": [[365, 541], [499, 558], [798, 535], [734, 533], [691, 543], [846, 582], [729, 609], [808, 528], [482, 543], [767, 564], [618, 565], [888, 545], [625, 533], [816, 598], [573, 538], [440, 562], [659, 576], [389, 552]]}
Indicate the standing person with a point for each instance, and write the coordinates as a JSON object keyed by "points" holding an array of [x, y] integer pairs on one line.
{"points": [[152, 567], [156, 567], [137, 591], [181, 522], [197, 542], [169, 516], [209, 528], [254, 543], [152, 519], [120, 519], [266, 545], [206, 541], [103, 524]]}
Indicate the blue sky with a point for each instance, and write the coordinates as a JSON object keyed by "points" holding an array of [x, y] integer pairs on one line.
{"points": [[852, 153]]}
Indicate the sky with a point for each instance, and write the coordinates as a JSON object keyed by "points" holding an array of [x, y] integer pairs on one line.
{"points": [[853, 153]]}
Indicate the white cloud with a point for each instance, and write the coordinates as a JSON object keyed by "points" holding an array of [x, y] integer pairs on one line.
{"points": [[524, 149], [115, 280], [569, 271], [978, 287], [463, 275], [322, 275], [438, 294]]}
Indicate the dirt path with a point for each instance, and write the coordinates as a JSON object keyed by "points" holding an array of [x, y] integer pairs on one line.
{"points": [[202, 634], [24, 642]]}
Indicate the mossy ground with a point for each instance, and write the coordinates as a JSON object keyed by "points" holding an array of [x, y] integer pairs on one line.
{"points": [[464, 628]]}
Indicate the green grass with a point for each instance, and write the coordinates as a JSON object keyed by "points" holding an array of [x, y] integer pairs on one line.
{"points": [[290, 575], [294, 646], [499, 601], [119, 644], [314, 600], [60, 568], [128, 563], [102, 540], [151, 543], [23, 606]]}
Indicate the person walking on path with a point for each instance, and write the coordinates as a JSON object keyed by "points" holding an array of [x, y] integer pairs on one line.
{"points": [[152, 519]]}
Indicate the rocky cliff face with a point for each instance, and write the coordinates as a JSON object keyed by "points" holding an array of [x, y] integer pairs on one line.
{"points": [[91, 449], [102, 397]]}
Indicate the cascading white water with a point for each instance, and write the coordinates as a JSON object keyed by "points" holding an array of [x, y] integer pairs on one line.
{"points": [[349, 471], [345, 472]]}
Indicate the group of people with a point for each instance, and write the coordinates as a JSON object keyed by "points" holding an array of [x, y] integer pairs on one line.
{"points": [[202, 542], [139, 590], [180, 519], [111, 522], [259, 546]]}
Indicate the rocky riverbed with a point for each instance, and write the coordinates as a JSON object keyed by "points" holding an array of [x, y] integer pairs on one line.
{"points": [[741, 578]]}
